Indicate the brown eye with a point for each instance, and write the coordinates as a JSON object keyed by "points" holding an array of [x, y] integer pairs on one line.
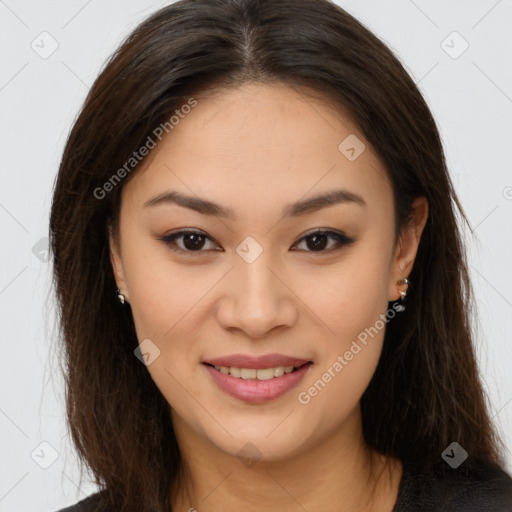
{"points": [[319, 240], [191, 241]]}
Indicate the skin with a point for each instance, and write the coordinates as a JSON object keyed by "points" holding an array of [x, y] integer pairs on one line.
{"points": [[256, 148]]}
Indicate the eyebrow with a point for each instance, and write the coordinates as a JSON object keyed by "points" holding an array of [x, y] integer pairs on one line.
{"points": [[302, 207]]}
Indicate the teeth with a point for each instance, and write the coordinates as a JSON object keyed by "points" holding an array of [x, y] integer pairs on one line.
{"points": [[253, 373], [248, 373], [278, 371], [235, 372], [266, 374]]}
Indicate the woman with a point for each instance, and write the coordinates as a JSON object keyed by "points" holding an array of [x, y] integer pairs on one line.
{"points": [[249, 193]]}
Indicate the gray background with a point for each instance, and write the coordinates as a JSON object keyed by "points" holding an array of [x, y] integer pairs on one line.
{"points": [[470, 94]]}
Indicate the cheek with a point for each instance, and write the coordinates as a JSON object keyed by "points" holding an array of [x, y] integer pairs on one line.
{"points": [[169, 304], [335, 391], [352, 307], [347, 365], [162, 292], [349, 298]]}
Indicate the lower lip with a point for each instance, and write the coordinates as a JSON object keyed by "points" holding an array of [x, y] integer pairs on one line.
{"points": [[257, 391]]}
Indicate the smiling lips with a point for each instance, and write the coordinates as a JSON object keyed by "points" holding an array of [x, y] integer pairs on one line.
{"points": [[257, 378], [264, 367], [264, 361]]}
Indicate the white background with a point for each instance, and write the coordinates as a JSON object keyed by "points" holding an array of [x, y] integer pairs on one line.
{"points": [[470, 96]]}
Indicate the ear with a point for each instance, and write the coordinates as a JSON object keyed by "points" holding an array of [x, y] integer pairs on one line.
{"points": [[117, 262], [407, 247]]}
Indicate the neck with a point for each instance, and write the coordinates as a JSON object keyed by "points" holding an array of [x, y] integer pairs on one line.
{"points": [[341, 474]]}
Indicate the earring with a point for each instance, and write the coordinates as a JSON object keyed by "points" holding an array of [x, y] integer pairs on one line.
{"points": [[120, 296], [402, 293]]}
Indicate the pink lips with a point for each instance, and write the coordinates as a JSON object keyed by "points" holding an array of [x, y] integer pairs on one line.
{"points": [[253, 390]]}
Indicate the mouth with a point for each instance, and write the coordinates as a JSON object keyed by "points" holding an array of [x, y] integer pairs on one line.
{"points": [[268, 373], [258, 385]]}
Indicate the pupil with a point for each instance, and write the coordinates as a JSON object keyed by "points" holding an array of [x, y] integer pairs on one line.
{"points": [[316, 243], [195, 238]]}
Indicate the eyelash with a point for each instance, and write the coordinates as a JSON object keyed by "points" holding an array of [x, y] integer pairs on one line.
{"points": [[340, 238]]}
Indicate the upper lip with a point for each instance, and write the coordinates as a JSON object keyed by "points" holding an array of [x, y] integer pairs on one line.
{"points": [[263, 361]]}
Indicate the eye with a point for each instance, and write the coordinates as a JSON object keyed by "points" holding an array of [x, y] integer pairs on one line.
{"points": [[194, 241], [319, 240]]}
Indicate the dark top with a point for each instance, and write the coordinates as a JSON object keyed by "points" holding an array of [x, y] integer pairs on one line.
{"points": [[476, 488]]}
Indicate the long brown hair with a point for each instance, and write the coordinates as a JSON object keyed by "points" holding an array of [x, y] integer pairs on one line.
{"points": [[426, 391]]}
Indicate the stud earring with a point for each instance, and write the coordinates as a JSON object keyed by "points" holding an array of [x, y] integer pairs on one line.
{"points": [[120, 296]]}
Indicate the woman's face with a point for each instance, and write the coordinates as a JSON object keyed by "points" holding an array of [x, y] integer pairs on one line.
{"points": [[257, 281]]}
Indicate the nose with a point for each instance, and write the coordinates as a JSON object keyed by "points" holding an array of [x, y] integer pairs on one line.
{"points": [[257, 299]]}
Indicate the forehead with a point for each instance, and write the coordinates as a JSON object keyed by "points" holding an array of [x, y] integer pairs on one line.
{"points": [[262, 145]]}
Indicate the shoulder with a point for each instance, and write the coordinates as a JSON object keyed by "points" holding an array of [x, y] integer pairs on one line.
{"points": [[89, 504], [475, 487]]}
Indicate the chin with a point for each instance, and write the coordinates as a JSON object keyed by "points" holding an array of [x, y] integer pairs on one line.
{"points": [[262, 439]]}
